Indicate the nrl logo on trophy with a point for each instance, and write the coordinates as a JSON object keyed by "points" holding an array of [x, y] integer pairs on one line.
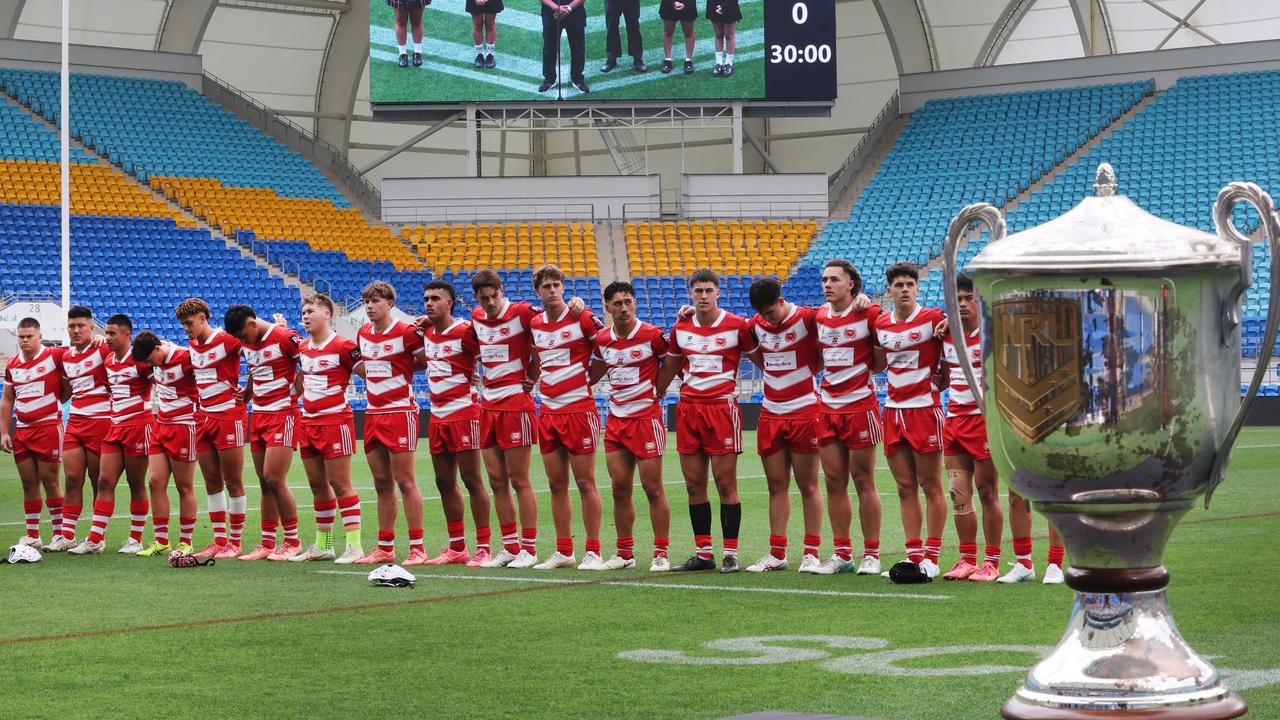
{"points": [[1037, 363]]}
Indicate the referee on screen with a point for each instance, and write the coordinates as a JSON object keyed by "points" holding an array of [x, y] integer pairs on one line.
{"points": [[571, 16]]}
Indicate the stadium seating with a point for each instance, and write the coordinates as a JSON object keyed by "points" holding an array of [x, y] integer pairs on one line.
{"points": [[217, 166], [572, 246], [662, 254], [954, 152], [1174, 157]]}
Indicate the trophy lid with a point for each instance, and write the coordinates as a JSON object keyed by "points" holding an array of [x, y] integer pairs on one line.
{"points": [[1107, 232]]}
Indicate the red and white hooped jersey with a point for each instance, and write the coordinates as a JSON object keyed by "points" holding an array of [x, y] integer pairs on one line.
{"points": [[37, 384], [451, 371], [960, 398], [129, 382], [912, 353], [633, 363], [86, 372], [326, 374], [273, 364], [174, 387], [505, 346], [845, 339], [789, 351], [564, 348], [217, 373], [711, 354], [388, 366]]}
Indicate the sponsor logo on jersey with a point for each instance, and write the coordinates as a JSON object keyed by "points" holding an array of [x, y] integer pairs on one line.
{"points": [[790, 336], [915, 335], [504, 330], [649, 446], [565, 334], [636, 353], [515, 436]]}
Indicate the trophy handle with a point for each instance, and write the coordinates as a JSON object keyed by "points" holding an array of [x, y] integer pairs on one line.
{"points": [[1228, 197], [988, 215]]}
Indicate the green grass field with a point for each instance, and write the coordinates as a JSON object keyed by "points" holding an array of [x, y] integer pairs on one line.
{"points": [[448, 75], [122, 637]]}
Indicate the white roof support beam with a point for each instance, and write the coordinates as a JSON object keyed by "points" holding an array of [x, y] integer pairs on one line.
{"points": [[10, 12], [1095, 27], [344, 63], [184, 24], [909, 37]]}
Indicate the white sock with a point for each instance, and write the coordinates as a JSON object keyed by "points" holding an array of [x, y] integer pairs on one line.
{"points": [[404, 49], [218, 501], [688, 59], [719, 58], [728, 58], [237, 504], [480, 49], [493, 47], [417, 47]]}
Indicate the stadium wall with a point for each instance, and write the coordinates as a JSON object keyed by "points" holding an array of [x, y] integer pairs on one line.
{"points": [[33, 55], [1164, 66], [754, 196], [517, 199]]}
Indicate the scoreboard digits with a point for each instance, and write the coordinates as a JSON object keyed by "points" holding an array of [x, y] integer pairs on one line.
{"points": [[800, 40]]}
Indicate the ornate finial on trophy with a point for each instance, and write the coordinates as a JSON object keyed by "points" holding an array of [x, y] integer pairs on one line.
{"points": [[1105, 182]]}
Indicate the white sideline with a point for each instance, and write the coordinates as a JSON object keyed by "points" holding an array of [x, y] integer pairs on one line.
{"points": [[665, 586]]}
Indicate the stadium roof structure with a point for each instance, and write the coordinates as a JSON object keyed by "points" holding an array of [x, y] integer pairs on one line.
{"points": [[307, 59]]}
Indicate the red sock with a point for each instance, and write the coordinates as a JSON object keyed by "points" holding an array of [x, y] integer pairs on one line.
{"points": [[510, 538], [269, 534], [969, 553], [101, 515], [529, 540], [325, 512], [932, 548], [702, 546], [626, 547], [1022, 550], [564, 546], [457, 530], [593, 545], [483, 534], [415, 539], [218, 521], [387, 540], [811, 544], [731, 546], [290, 528], [660, 546], [55, 514], [1056, 552], [993, 554], [70, 516], [778, 546], [138, 518], [914, 553], [31, 510], [160, 525], [349, 509], [843, 548], [186, 528], [871, 548]]}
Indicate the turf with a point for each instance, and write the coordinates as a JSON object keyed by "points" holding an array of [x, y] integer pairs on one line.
{"points": [[448, 74], [114, 637]]}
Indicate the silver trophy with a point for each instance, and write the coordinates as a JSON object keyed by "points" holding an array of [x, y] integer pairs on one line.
{"points": [[1111, 345]]}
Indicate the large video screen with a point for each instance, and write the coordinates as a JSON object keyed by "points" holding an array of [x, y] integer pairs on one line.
{"points": [[528, 51]]}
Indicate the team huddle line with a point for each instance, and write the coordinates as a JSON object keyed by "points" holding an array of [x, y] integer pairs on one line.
{"points": [[152, 410]]}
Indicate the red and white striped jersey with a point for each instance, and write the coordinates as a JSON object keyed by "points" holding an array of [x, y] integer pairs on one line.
{"points": [[37, 384], [174, 387], [388, 366], [87, 374], [711, 355], [633, 363], [789, 351], [217, 373], [960, 398], [913, 353], [505, 345], [451, 371], [564, 349], [845, 339], [129, 382], [273, 364], [326, 374]]}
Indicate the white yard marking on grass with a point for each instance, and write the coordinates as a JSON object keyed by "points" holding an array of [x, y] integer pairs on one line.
{"points": [[664, 586]]}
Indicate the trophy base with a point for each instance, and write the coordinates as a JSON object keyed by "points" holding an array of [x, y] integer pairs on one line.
{"points": [[1123, 657], [1231, 706]]}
